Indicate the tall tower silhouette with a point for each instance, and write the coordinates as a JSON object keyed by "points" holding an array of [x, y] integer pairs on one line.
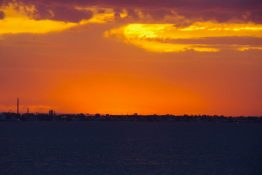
{"points": [[17, 106]]}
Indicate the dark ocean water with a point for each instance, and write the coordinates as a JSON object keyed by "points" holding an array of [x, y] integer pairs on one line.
{"points": [[54, 148]]}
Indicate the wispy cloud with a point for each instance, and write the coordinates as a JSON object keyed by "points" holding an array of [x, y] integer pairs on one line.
{"points": [[163, 37], [162, 29], [21, 18], [238, 10]]}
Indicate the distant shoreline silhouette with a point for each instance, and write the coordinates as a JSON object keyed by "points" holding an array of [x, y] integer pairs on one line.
{"points": [[52, 116]]}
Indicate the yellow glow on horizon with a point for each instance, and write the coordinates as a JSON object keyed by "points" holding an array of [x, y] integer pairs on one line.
{"points": [[154, 37], [118, 95]]}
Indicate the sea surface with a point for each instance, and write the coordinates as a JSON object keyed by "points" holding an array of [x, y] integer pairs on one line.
{"points": [[123, 148]]}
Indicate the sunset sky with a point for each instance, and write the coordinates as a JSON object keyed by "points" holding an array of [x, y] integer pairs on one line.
{"points": [[132, 56]]}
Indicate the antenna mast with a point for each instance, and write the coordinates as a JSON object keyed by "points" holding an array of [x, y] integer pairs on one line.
{"points": [[17, 106]]}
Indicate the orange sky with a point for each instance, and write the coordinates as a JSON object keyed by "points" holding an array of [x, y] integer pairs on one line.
{"points": [[112, 61]]}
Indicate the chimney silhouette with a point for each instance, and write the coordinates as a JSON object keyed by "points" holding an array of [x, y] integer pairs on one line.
{"points": [[17, 106]]}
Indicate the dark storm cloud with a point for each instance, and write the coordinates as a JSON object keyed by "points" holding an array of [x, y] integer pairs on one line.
{"points": [[245, 10]]}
